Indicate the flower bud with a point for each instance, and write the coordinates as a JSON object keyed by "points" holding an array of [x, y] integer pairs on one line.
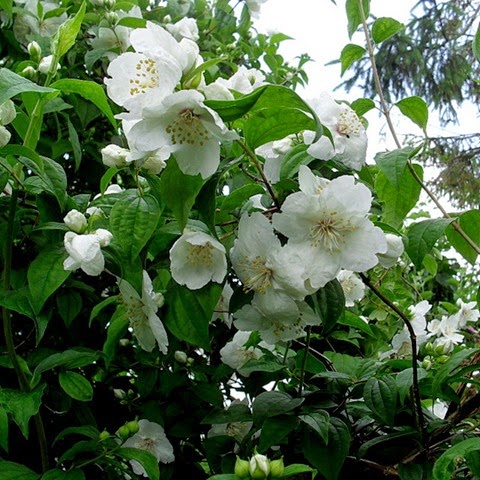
{"points": [[133, 426], [45, 65], [7, 112], [75, 221], [111, 17], [242, 469], [180, 357], [276, 468], [442, 358], [103, 435], [167, 18], [159, 299], [259, 467], [395, 248], [109, 4], [5, 136], [153, 164], [114, 156], [35, 52], [427, 363], [29, 72], [119, 393], [123, 432]]}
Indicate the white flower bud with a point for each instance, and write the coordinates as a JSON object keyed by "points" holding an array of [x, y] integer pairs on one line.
{"points": [[45, 64], [111, 18], [75, 221], [109, 4], [154, 164], [35, 51], [114, 156], [259, 467], [97, 3], [395, 248], [7, 112], [180, 357], [5, 136], [29, 72], [104, 237], [95, 212]]}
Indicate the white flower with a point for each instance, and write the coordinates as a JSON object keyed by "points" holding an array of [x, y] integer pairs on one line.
{"points": [[151, 162], [448, 334], [196, 259], [353, 288], [216, 91], [349, 137], [85, 251], [440, 408], [259, 464], [75, 221], [236, 355], [184, 28], [114, 156], [273, 152], [274, 272], [276, 327], [151, 438], [254, 7], [5, 136], [395, 249], [46, 64], [331, 229], [191, 129], [7, 112], [244, 80], [468, 313], [142, 313]]}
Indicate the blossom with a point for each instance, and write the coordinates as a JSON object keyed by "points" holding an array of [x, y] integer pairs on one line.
{"points": [[244, 80], [114, 156], [7, 112], [5, 136], [142, 313], [236, 355], [45, 65], [85, 251], [353, 288], [151, 438], [467, 313], [184, 28], [254, 7], [349, 137], [274, 272], [395, 249], [448, 334], [75, 221], [191, 129], [196, 259], [273, 152], [331, 229], [278, 326], [222, 308]]}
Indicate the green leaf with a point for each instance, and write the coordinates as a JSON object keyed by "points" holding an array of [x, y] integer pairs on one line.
{"points": [[206, 202], [189, 313], [69, 304], [380, 396], [330, 304], [319, 422], [260, 365], [296, 469], [45, 275], [393, 164], [410, 471], [271, 404], [3, 429], [236, 198], [74, 141], [76, 386], [422, 236], [133, 221], [56, 474], [404, 380], [55, 180], [7, 5], [21, 406], [90, 91], [328, 459], [274, 430], [350, 54], [352, 320], [18, 301], [445, 371], [385, 27], [293, 159], [278, 113], [12, 84], [146, 459], [64, 38], [415, 109], [362, 105], [179, 191], [470, 223], [116, 330], [400, 197], [446, 463], [236, 412], [476, 44], [15, 471], [354, 15]]}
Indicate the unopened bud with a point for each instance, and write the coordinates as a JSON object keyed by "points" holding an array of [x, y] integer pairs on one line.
{"points": [[180, 357], [111, 17], [7, 112], [259, 467], [46, 64], [104, 435], [5, 136], [75, 221], [442, 358], [35, 52], [133, 426], [123, 432], [109, 4], [242, 468], [29, 72], [276, 468]]}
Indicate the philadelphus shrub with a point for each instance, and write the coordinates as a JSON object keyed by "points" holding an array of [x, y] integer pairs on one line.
{"points": [[203, 274]]}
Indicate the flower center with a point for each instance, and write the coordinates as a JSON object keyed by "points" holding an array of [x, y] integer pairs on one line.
{"points": [[200, 254], [147, 444], [134, 310], [259, 276], [188, 128], [329, 232], [146, 77], [348, 123]]}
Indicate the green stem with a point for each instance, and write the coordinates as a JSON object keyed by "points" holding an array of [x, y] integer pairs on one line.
{"points": [[386, 112], [304, 361]]}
